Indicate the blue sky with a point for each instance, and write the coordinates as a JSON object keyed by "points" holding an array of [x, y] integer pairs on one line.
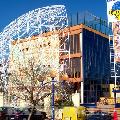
{"points": [[11, 9]]}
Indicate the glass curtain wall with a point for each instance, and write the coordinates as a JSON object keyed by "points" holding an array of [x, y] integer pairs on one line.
{"points": [[96, 65]]}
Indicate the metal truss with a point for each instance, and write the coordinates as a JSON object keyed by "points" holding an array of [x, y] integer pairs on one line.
{"points": [[36, 24], [115, 73]]}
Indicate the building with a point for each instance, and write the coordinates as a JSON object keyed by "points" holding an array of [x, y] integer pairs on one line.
{"points": [[90, 62], [88, 65], [30, 61], [90, 57]]}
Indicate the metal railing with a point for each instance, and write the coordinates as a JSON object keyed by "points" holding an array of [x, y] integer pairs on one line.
{"points": [[90, 20]]}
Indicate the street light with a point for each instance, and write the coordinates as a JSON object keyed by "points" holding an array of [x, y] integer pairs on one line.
{"points": [[53, 75], [114, 90]]}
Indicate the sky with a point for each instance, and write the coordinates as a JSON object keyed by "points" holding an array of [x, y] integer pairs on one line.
{"points": [[12, 9]]}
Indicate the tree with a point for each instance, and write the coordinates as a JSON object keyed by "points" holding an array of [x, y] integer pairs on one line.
{"points": [[32, 84]]}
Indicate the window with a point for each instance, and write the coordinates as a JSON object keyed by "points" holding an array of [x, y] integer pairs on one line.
{"points": [[76, 43]]}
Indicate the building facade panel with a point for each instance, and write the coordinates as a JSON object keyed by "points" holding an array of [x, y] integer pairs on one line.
{"points": [[95, 56], [96, 64]]}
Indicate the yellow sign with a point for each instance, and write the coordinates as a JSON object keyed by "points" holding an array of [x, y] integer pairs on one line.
{"points": [[116, 13], [113, 10], [74, 113]]}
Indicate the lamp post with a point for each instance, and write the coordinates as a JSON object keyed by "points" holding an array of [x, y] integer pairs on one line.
{"points": [[53, 75], [115, 97]]}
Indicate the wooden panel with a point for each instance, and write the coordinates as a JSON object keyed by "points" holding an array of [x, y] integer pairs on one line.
{"points": [[74, 79], [78, 55]]}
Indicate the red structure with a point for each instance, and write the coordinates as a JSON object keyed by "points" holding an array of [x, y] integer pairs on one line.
{"points": [[115, 116]]}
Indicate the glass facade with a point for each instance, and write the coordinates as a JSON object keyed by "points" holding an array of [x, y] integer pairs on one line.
{"points": [[96, 65], [90, 20]]}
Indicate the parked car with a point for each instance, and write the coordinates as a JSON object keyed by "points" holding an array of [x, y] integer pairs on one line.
{"points": [[2, 113], [37, 115], [5, 112], [99, 116], [23, 114], [16, 114], [11, 113]]}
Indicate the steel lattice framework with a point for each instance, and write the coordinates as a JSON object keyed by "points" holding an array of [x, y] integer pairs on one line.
{"points": [[35, 25]]}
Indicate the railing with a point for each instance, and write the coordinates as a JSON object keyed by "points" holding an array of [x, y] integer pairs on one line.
{"points": [[90, 20]]}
